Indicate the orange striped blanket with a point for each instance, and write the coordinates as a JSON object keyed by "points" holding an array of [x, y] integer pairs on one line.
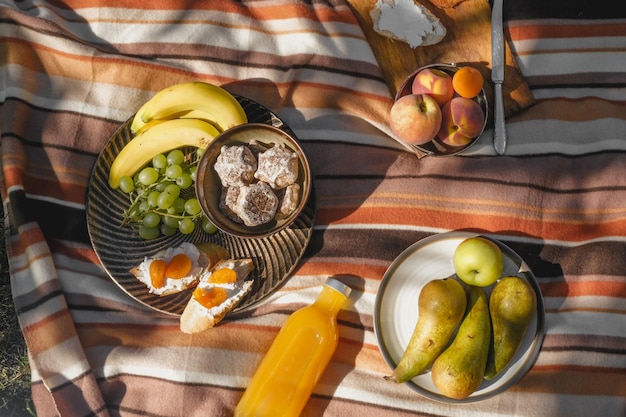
{"points": [[73, 71]]}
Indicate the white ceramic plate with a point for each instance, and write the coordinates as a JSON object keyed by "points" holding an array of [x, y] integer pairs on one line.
{"points": [[396, 310]]}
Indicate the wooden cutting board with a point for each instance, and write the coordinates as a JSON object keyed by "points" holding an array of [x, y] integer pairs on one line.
{"points": [[468, 41]]}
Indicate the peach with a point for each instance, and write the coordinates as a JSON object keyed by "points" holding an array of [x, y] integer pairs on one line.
{"points": [[415, 118], [462, 119], [435, 83]]}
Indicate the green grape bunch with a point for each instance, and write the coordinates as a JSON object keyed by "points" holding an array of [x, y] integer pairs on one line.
{"points": [[162, 201]]}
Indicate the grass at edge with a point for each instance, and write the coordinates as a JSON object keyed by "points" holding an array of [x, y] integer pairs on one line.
{"points": [[15, 393]]}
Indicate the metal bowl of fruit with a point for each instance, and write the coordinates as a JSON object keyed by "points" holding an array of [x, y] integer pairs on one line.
{"points": [[253, 180], [440, 109]]}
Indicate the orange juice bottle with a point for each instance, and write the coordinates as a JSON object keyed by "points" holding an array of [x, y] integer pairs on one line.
{"points": [[292, 367]]}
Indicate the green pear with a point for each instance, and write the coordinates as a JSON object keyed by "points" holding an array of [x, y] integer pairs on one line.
{"points": [[512, 305], [460, 369], [441, 305]]}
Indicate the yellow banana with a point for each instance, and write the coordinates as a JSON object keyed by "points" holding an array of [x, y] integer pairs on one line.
{"points": [[150, 124], [187, 114], [212, 102], [160, 138]]}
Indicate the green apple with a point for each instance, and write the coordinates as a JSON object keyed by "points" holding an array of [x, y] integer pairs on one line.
{"points": [[478, 261]]}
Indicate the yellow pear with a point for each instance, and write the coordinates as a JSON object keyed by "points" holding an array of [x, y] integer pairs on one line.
{"points": [[441, 305], [460, 369], [512, 305]]}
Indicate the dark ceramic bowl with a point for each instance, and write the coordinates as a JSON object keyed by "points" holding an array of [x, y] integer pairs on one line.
{"points": [[209, 187]]}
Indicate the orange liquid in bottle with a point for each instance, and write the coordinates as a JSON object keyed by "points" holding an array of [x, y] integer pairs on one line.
{"points": [[297, 358]]}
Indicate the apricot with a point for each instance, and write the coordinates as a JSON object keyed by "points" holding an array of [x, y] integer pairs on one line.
{"points": [[210, 297], [435, 83], [223, 276], [467, 82], [178, 267], [462, 119], [157, 272]]}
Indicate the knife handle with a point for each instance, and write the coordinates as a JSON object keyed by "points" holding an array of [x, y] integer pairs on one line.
{"points": [[499, 128]]}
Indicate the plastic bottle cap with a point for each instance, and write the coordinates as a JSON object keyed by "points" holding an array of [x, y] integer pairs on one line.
{"points": [[339, 286]]}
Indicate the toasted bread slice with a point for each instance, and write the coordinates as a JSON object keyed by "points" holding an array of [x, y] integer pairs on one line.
{"points": [[214, 298], [202, 256], [169, 285]]}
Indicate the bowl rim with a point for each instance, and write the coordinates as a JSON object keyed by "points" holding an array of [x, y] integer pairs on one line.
{"points": [[206, 162]]}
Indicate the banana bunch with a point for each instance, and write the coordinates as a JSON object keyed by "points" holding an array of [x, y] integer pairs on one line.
{"points": [[185, 114], [191, 100]]}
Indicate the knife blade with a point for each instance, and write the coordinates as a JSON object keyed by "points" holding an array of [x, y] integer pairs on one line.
{"points": [[497, 76]]}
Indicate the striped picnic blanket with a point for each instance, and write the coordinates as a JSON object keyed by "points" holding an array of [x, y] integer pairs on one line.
{"points": [[73, 71]]}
